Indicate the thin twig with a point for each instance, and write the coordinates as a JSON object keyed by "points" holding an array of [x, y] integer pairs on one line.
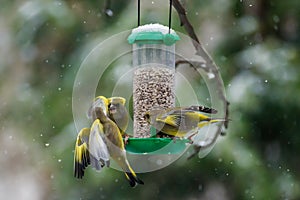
{"points": [[194, 64]]}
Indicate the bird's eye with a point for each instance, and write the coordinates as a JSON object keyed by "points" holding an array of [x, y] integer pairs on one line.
{"points": [[147, 116]]}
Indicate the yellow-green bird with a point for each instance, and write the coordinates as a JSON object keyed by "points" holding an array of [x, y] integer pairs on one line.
{"points": [[115, 146], [97, 145], [179, 121], [114, 108], [118, 113]]}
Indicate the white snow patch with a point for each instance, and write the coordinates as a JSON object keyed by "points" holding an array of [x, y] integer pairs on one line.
{"points": [[153, 28]]}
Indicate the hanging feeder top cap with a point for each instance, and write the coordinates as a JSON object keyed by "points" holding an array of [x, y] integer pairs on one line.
{"points": [[153, 34]]}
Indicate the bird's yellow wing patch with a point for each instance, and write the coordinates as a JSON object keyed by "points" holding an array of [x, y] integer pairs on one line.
{"points": [[172, 119], [81, 153]]}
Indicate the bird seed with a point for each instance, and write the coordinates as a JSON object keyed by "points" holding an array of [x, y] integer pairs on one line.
{"points": [[152, 87]]}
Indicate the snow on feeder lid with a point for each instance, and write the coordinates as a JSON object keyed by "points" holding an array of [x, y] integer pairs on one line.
{"points": [[154, 74], [153, 34]]}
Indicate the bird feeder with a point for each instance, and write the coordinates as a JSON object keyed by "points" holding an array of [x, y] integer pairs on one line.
{"points": [[153, 85], [154, 74]]}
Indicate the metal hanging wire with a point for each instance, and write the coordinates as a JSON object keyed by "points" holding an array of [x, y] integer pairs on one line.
{"points": [[170, 14], [139, 12]]}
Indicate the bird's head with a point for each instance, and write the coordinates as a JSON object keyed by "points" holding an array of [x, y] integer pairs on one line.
{"points": [[147, 116], [115, 103], [116, 100]]}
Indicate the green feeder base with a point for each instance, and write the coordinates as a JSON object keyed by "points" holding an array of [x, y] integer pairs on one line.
{"points": [[156, 145]]}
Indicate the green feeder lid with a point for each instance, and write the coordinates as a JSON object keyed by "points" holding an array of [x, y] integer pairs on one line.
{"points": [[156, 145], [153, 34]]}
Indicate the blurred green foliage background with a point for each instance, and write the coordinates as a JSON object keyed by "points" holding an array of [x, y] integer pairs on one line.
{"points": [[254, 42]]}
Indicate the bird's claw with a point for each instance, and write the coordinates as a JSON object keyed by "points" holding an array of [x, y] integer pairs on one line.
{"points": [[126, 138]]}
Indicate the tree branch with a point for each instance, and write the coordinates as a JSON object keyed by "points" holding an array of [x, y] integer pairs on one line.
{"points": [[208, 66]]}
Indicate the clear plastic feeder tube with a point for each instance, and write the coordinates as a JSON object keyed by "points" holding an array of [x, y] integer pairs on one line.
{"points": [[154, 73]]}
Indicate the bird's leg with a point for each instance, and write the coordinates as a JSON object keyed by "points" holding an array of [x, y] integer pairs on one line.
{"points": [[190, 138], [192, 135], [174, 138], [162, 135], [126, 138]]}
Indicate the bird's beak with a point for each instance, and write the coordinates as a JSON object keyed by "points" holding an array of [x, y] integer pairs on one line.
{"points": [[146, 117]]}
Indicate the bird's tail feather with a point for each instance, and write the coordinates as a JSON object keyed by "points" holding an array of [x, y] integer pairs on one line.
{"points": [[214, 120], [210, 121], [132, 178]]}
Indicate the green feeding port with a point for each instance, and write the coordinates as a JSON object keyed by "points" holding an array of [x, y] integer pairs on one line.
{"points": [[156, 145]]}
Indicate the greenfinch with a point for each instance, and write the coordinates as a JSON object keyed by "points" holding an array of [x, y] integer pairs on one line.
{"points": [[118, 113], [180, 121], [114, 108], [97, 145], [115, 146]]}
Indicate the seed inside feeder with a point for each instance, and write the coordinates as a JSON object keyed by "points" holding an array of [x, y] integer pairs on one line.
{"points": [[153, 86]]}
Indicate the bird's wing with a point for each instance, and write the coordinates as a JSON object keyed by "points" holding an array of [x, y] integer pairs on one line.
{"points": [[81, 154], [201, 109], [97, 146], [101, 102], [180, 117], [172, 118]]}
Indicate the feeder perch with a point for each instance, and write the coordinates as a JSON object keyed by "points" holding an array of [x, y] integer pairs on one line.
{"points": [[153, 85], [156, 145]]}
